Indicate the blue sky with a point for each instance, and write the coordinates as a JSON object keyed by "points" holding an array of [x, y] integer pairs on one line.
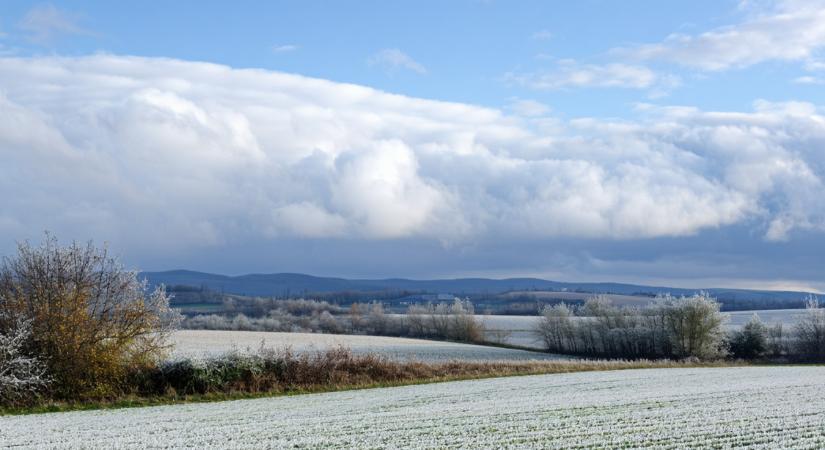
{"points": [[467, 48], [657, 142]]}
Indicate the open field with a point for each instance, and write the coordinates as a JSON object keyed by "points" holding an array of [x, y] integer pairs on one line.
{"points": [[511, 330], [749, 407], [787, 317], [196, 343]]}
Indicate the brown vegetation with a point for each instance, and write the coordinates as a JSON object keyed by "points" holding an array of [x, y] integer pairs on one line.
{"points": [[91, 320], [280, 372]]}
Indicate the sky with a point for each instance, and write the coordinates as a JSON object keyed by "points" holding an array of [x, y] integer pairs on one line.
{"points": [[669, 143]]}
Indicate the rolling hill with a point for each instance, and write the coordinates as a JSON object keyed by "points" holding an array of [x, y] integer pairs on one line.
{"points": [[294, 284]]}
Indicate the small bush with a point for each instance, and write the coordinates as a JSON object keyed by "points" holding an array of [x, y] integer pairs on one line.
{"points": [[751, 341]]}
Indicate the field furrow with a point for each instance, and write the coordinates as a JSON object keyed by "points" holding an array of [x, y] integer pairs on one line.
{"points": [[750, 407]]}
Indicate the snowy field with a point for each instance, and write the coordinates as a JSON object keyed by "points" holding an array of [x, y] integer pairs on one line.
{"points": [[512, 330], [198, 343], [747, 407], [787, 317]]}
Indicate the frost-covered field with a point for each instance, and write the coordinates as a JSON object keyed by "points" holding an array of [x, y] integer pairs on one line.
{"points": [[787, 317], [750, 407], [513, 330], [196, 343]]}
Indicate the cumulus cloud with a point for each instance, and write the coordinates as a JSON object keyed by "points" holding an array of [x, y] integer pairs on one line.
{"points": [[392, 59], [791, 30], [44, 23], [176, 154], [572, 74]]}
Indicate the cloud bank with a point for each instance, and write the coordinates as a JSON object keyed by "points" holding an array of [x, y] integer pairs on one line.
{"points": [[174, 154]]}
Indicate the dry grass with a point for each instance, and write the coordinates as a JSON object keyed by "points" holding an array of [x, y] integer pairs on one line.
{"points": [[282, 372]]}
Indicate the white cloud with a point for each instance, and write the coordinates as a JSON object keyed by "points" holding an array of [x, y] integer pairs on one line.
{"points": [[571, 74], [790, 30], [393, 59], [285, 48], [807, 79], [814, 65], [44, 23], [528, 108], [168, 154]]}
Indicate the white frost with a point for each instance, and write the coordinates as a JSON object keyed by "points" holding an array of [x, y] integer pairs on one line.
{"points": [[750, 407]]}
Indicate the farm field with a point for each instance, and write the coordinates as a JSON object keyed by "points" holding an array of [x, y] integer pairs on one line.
{"points": [[745, 407], [787, 317], [197, 343]]}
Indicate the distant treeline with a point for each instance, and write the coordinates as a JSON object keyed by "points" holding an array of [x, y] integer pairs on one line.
{"points": [[454, 321], [196, 300]]}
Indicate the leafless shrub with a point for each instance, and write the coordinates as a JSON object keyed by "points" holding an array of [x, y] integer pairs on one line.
{"points": [[90, 317], [22, 377], [810, 332]]}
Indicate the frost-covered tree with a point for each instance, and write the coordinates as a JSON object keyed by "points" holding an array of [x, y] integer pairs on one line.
{"points": [[670, 328], [21, 376], [695, 326], [810, 332], [464, 326], [751, 341], [555, 328]]}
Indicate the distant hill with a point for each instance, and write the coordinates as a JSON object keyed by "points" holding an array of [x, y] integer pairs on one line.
{"points": [[294, 284]]}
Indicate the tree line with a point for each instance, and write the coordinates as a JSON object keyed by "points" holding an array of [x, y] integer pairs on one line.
{"points": [[454, 321], [672, 327]]}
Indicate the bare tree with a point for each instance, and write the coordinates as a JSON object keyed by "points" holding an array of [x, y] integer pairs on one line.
{"points": [[555, 328], [810, 332], [21, 376], [463, 325], [377, 320]]}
